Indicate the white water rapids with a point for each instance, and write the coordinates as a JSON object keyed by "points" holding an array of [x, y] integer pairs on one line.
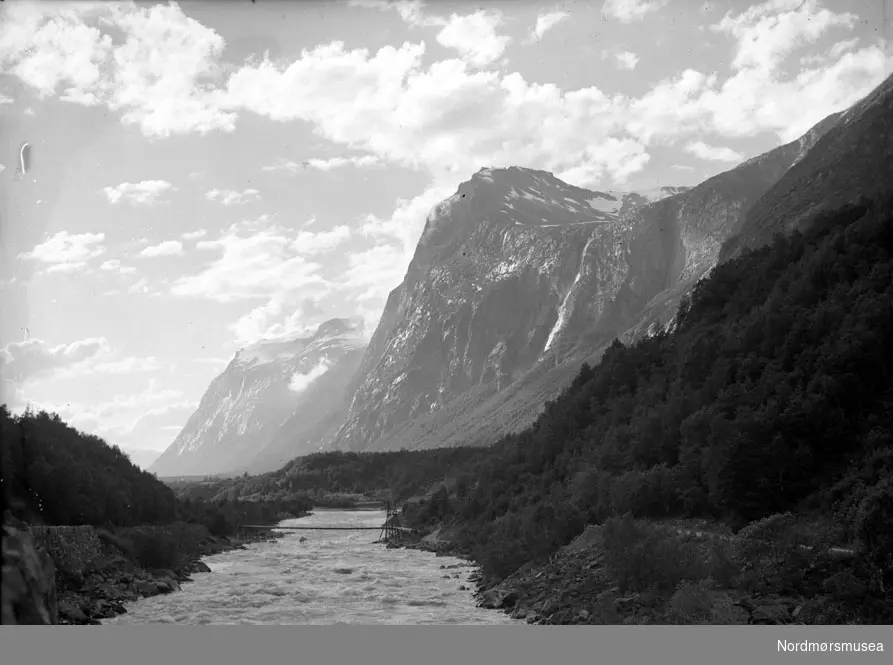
{"points": [[333, 577]]}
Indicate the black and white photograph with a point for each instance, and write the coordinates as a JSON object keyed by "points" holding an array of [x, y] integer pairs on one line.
{"points": [[400, 312]]}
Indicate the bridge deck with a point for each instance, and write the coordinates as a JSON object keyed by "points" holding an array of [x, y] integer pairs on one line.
{"points": [[323, 528]]}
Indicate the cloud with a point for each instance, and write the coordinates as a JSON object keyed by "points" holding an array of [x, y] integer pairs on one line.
{"points": [[627, 11], [291, 302], [474, 37], [767, 33], [837, 50], [446, 118], [300, 381], [127, 365], [166, 248], [451, 116], [358, 161], [409, 10], [129, 420], [545, 22], [231, 196], [624, 59], [159, 73], [33, 358], [713, 153], [139, 193], [193, 235], [45, 54], [139, 287], [66, 252], [286, 313], [286, 165], [339, 162], [257, 260], [114, 265], [374, 271]]}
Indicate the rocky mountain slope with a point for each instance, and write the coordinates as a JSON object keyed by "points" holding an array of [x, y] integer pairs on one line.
{"points": [[271, 403], [853, 157], [517, 278]]}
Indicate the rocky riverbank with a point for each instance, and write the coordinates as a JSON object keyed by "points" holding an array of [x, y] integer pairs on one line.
{"points": [[578, 586], [108, 587]]}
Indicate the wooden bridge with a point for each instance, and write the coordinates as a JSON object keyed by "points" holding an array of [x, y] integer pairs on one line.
{"points": [[388, 531]]}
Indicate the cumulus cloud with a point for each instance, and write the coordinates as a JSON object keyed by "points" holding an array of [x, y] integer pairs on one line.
{"points": [[33, 358], [358, 161], [114, 265], [193, 235], [339, 162], [166, 248], [713, 153], [545, 22], [144, 193], [474, 37], [159, 74], [301, 381], [623, 59], [767, 33], [259, 259], [453, 116], [628, 11], [231, 196], [67, 252]]}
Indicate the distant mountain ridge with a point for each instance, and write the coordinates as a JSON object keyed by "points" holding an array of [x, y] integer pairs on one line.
{"points": [[295, 381]]}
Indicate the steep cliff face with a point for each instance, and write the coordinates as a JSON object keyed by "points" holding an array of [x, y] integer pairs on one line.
{"points": [[517, 278], [29, 581], [298, 382], [493, 286], [853, 157]]}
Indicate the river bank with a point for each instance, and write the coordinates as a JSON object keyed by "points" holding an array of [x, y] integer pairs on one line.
{"points": [[106, 587], [686, 575]]}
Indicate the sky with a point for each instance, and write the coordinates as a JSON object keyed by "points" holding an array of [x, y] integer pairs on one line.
{"points": [[203, 175]]}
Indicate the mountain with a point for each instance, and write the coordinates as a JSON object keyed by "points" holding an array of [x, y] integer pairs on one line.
{"points": [[270, 403], [852, 158], [518, 277]]}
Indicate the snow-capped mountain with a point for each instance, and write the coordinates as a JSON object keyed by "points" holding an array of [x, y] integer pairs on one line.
{"points": [[299, 380]]}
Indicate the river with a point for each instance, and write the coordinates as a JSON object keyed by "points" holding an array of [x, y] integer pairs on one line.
{"points": [[333, 577]]}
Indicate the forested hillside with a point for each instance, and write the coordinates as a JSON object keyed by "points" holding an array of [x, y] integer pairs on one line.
{"points": [[54, 474], [771, 394], [324, 478]]}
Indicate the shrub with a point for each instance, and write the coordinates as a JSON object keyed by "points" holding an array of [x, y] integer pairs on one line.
{"points": [[692, 603], [156, 550], [773, 552], [639, 556]]}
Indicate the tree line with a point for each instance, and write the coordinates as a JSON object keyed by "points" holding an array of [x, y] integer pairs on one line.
{"points": [[54, 474]]}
